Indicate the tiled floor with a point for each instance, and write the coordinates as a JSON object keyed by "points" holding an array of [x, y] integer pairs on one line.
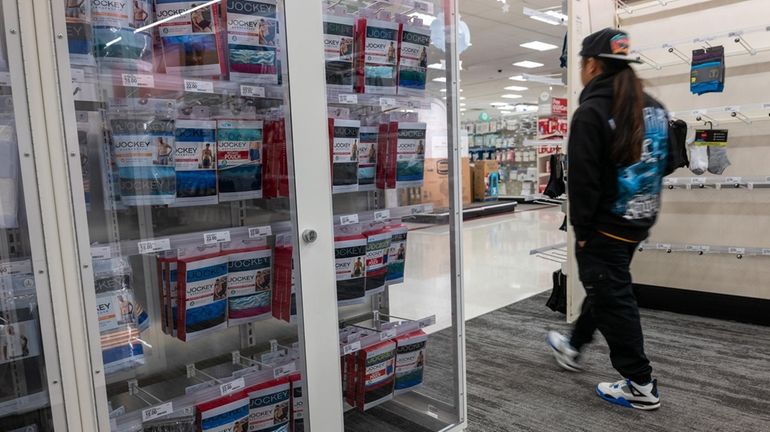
{"points": [[498, 268]]}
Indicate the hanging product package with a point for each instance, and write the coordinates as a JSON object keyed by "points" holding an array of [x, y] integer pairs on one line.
{"points": [[252, 42], [410, 154], [225, 414], [396, 253], [367, 157], [708, 70], [249, 288], [383, 170], [167, 263], [376, 56], [239, 159], [195, 161], [191, 41], [80, 40], [375, 375], [202, 291], [413, 59], [9, 175], [378, 239], [143, 150], [270, 406], [343, 137], [350, 264], [133, 50], [715, 143], [297, 403], [338, 50], [410, 361], [283, 278], [119, 315]]}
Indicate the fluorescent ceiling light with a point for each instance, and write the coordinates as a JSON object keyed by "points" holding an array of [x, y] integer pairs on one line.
{"points": [[462, 97], [439, 66], [511, 96], [538, 46], [516, 88], [463, 109], [517, 78], [426, 19], [440, 79], [462, 104], [505, 112], [528, 64], [551, 17]]}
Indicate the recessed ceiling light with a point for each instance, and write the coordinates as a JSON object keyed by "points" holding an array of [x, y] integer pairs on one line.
{"points": [[516, 88], [499, 103], [463, 109], [517, 78], [528, 64], [462, 104], [439, 66], [511, 96], [462, 97], [441, 79], [505, 112], [538, 46]]}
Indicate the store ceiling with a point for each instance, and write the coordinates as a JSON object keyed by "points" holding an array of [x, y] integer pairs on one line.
{"points": [[496, 36]]}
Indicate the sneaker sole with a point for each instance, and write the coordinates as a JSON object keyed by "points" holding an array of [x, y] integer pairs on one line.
{"points": [[559, 361], [624, 403]]}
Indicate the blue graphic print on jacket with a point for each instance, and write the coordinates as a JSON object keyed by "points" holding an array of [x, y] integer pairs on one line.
{"points": [[639, 185]]}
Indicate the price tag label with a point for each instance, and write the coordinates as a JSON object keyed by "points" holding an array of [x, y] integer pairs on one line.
{"points": [[698, 180], [766, 106], [216, 237], [737, 250], [101, 252], [137, 80], [734, 180], [284, 370], [351, 348], [252, 91], [5, 78], [152, 246], [423, 6], [157, 411], [349, 219], [692, 248], [260, 232], [232, 386], [426, 322], [382, 216], [705, 248], [387, 102], [78, 75], [198, 86], [670, 181], [387, 334], [732, 108], [348, 99], [417, 210], [664, 246], [697, 113], [766, 252]]}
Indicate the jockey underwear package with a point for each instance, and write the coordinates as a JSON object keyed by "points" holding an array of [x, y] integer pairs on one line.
{"points": [[132, 52], [80, 39], [413, 59], [350, 264], [397, 253], [283, 279], [270, 406], [252, 41], [195, 160], [249, 289], [224, 414], [339, 33], [378, 239], [410, 361], [375, 375], [367, 157], [202, 291], [343, 137], [409, 153], [239, 158], [376, 56]]}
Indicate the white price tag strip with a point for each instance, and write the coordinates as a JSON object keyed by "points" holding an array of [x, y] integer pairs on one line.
{"points": [[697, 113], [664, 246], [670, 181], [426, 322], [734, 180], [252, 91], [137, 80], [78, 75], [349, 219], [263, 231], [351, 348], [417, 210], [216, 237], [284, 370], [152, 246], [387, 102], [348, 99], [732, 108], [101, 252], [737, 250], [157, 411], [198, 86], [705, 248], [387, 334], [698, 180], [382, 215], [232, 386]]}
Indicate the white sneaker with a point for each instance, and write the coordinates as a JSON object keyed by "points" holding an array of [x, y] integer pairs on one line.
{"points": [[565, 355], [630, 394]]}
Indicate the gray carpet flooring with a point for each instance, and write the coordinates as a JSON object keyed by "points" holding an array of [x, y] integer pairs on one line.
{"points": [[713, 376]]}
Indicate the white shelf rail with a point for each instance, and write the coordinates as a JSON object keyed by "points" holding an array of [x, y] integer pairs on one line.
{"points": [[718, 183], [700, 249]]}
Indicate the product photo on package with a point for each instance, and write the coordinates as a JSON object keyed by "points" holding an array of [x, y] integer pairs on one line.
{"points": [[195, 160], [249, 287], [239, 159], [377, 58], [202, 291], [252, 42], [339, 33], [191, 41]]}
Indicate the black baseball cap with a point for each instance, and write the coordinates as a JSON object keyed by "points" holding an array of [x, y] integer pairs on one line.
{"points": [[609, 43]]}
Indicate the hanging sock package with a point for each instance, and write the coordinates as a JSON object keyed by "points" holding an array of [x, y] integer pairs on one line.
{"points": [[202, 291], [376, 56], [396, 253], [410, 361], [191, 41], [225, 414], [378, 239], [712, 142], [249, 288], [413, 59], [339, 34], [270, 406], [367, 157], [350, 264], [195, 160], [252, 42], [344, 137], [708, 70], [239, 146]]}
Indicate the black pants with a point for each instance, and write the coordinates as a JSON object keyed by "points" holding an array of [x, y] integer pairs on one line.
{"points": [[610, 306]]}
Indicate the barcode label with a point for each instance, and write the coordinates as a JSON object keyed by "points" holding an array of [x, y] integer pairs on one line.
{"points": [[101, 252], [387, 334], [670, 181], [382, 215], [737, 250], [232, 386], [284, 370], [349, 219], [348, 99], [137, 80], [152, 246], [157, 411], [198, 86], [252, 91], [260, 232], [216, 237], [351, 348], [386, 102]]}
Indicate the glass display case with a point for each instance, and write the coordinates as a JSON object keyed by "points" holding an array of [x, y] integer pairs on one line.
{"points": [[256, 238]]}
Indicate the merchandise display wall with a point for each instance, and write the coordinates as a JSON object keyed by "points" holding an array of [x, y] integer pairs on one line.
{"points": [[207, 223]]}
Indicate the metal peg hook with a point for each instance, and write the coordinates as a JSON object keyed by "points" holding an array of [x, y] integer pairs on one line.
{"points": [[680, 54], [739, 256], [740, 116], [624, 6], [649, 61], [740, 40]]}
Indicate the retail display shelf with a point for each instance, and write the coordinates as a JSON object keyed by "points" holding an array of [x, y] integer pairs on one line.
{"points": [[719, 183], [701, 249], [730, 113], [24, 404], [556, 253], [402, 6], [473, 211], [363, 337]]}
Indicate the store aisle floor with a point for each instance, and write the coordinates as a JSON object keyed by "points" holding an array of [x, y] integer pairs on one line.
{"points": [[498, 268]]}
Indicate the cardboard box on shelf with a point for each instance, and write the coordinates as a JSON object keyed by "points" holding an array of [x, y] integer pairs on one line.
{"points": [[485, 180], [435, 188]]}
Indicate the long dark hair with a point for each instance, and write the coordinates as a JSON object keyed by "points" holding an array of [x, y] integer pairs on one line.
{"points": [[627, 112]]}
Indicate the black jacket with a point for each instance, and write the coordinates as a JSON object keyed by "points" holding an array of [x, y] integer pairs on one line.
{"points": [[622, 201]]}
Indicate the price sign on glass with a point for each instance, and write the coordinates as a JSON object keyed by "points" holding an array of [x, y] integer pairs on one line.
{"points": [[232, 386], [137, 80], [349, 219], [157, 411], [252, 91], [351, 348], [198, 86], [348, 99], [152, 246], [216, 237], [260, 232]]}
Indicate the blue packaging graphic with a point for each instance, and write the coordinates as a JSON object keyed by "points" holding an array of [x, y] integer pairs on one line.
{"points": [[239, 159], [202, 290], [252, 29], [122, 48], [195, 162]]}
